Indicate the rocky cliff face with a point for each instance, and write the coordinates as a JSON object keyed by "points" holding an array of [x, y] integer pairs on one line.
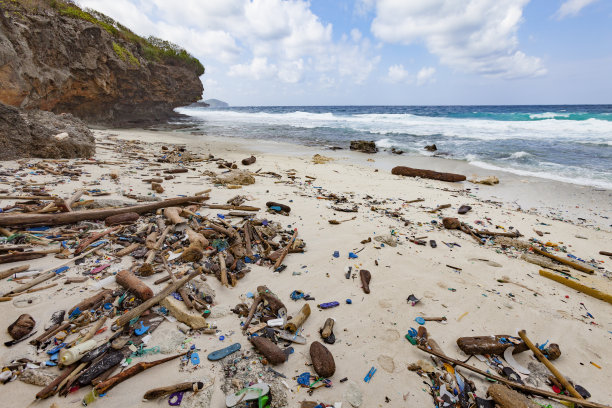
{"points": [[57, 57]]}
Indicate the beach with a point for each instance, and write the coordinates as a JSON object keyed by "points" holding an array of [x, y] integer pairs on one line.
{"points": [[460, 282]]}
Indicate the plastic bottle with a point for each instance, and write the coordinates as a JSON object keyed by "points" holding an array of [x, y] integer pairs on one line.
{"points": [[69, 356], [106, 282]]}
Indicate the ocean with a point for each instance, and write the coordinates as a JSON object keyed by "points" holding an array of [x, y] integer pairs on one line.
{"points": [[565, 143]]}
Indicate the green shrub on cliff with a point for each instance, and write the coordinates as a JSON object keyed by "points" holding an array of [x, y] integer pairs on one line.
{"points": [[151, 48]]}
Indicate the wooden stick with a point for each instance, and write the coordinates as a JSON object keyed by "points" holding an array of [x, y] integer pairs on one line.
{"points": [[97, 214], [181, 291], [232, 207], [11, 271], [84, 244], [49, 273], [512, 384], [130, 372], [138, 310], [575, 265], [51, 389], [162, 391], [20, 256], [247, 239], [223, 269], [514, 234], [606, 297], [282, 256], [569, 387], [75, 372], [17, 197]]}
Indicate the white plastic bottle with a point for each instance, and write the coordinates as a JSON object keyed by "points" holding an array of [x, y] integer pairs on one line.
{"points": [[69, 356]]}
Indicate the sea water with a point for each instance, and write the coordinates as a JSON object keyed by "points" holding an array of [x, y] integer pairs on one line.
{"points": [[570, 143]]}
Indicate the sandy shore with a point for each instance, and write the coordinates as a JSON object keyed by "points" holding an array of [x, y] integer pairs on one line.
{"points": [[370, 331]]}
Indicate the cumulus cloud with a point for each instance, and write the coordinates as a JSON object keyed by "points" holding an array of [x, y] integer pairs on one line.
{"points": [[571, 8], [475, 36], [260, 39], [426, 75], [397, 74]]}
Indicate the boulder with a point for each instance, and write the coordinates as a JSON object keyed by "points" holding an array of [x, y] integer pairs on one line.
{"points": [[35, 133], [431, 148], [364, 146]]}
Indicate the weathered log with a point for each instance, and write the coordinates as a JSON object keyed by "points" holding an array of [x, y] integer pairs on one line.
{"points": [[544, 262], [270, 351], [365, 277], [176, 171], [576, 265], [249, 160], [131, 282], [488, 345], [569, 387], [322, 360], [515, 385], [587, 290], [298, 320], [130, 372], [92, 300], [138, 310], [283, 207], [270, 299], [10, 220], [11, 271], [428, 174], [121, 219], [21, 256], [508, 398]]}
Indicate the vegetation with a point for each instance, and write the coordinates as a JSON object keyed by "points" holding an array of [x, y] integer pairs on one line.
{"points": [[151, 48]]}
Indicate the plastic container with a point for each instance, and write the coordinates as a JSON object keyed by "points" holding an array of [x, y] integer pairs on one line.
{"points": [[73, 354], [103, 283]]}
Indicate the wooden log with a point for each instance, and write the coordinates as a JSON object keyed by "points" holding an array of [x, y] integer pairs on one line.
{"points": [[365, 277], [606, 253], [138, 310], [49, 273], [281, 258], [51, 389], [20, 256], [163, 391], [271, 351], [86, 304], [121, 219], [514, 234], [488, 345], [49, 333], [127, 250], [131, 282], [33, 198], [598, 294], [298, 320], [172, 214], [11, 271], [569, 387], [508, 398], [104, 386], [544, 262], [10, 220], [232, 207], [223, 268], [428, 174], [578, 266], [515, 385], [84, 244]]}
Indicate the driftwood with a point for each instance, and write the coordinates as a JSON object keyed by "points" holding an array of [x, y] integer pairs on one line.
{"points": [[131, 282], [515, 385], [271, 351], [223, 269], [173, 215], [587, 290], [579, 266], [508, 398], [11, 271], [606, 253], [232, 207], [299, 319], [285, 251], [365, 277], [138, 310], [84, 244], [163, 391], [10, 220], [569, 387], [127, 250], [130, 372], [544, 262], [268, 297], [52, 388], [92, 300], [488, 345], [249, 160], [514, 234], [21, 256], [120, 219], [428, 174]]}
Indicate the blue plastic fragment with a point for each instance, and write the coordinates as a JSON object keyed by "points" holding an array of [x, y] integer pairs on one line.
{"points": [[142, 329], [352, 255], [221, 216], [38, 229], [420, 320], [412, 332], [368, 377], [75, 313], [195, 358], [56, 349], [329, 305], [275, 208], [249, 295], [304, 379], [62, 269], [349, 301], [336, 254]]}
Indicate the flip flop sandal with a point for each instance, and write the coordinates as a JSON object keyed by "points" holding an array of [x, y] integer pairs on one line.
{"points": [[262, 402], [219, 354], [251, 393]]}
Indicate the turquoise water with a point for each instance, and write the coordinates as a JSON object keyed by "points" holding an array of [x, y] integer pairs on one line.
{"points": [[570, 143]]}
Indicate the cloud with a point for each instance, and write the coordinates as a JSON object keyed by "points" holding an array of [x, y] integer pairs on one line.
{"points": [[571, 8], [426, 75], [397, 74], [261, 39], [474, 36]]}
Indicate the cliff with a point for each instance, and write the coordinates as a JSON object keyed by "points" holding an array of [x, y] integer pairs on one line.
{"points": [[56, 57]]}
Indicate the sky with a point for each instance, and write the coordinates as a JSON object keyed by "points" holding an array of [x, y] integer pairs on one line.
{"points": [[387, 52]]}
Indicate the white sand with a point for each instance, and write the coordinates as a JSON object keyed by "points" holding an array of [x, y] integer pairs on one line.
{"points": [[373, 325]]}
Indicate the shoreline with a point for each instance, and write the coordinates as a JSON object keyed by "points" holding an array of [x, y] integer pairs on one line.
{"points": [[529, 193]]}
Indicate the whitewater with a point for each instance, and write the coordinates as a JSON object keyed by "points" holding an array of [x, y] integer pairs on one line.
{"points": [[564, 143]]}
